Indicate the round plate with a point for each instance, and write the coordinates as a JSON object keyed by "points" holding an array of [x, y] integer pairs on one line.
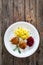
{"points": [[10, 33]]}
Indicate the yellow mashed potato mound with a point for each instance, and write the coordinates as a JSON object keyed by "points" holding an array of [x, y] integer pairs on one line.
{"points": [[22, 33]]}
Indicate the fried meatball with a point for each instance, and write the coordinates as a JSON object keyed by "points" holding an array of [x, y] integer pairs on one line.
{"points": [[15, 40], [22, 45]]}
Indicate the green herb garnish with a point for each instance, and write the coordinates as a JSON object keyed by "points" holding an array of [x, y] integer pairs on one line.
{"points": [[17, 47], [19, 50]]}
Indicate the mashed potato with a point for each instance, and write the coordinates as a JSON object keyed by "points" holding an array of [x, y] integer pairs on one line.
{"points": [[21, 32]]}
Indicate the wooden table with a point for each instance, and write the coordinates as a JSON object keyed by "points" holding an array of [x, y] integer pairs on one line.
{"points": [[12, 11]]}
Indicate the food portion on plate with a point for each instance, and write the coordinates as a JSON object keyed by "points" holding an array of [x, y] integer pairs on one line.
{"points": [[22, 33], [15, 40], [30, 41], [22, 39]]}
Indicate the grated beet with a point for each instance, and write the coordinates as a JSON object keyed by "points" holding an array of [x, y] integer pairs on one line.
{"points": [[30, 41]]}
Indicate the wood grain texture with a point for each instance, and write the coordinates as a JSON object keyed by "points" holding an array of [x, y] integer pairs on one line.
{"points": [[0, 45], [40, 29], [40, 16], [0, 34], [16, 10], [7, 19], [33, 5], [27, 10], [32, 13], [21, 9]]}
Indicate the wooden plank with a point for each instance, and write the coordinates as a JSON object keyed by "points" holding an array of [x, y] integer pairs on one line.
{"points": [[27, 10], [15, 10], [30, 11], [11, 11], [0, 34], [0, 45], [7, 19], [33, 20], [38, 54], [40, 29], [18, 10], [33, 12], [40, 61], [40, 16], [21, 9], [21, 61]]}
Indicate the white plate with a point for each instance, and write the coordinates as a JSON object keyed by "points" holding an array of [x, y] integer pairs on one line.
{"points": [[9, 34]]}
